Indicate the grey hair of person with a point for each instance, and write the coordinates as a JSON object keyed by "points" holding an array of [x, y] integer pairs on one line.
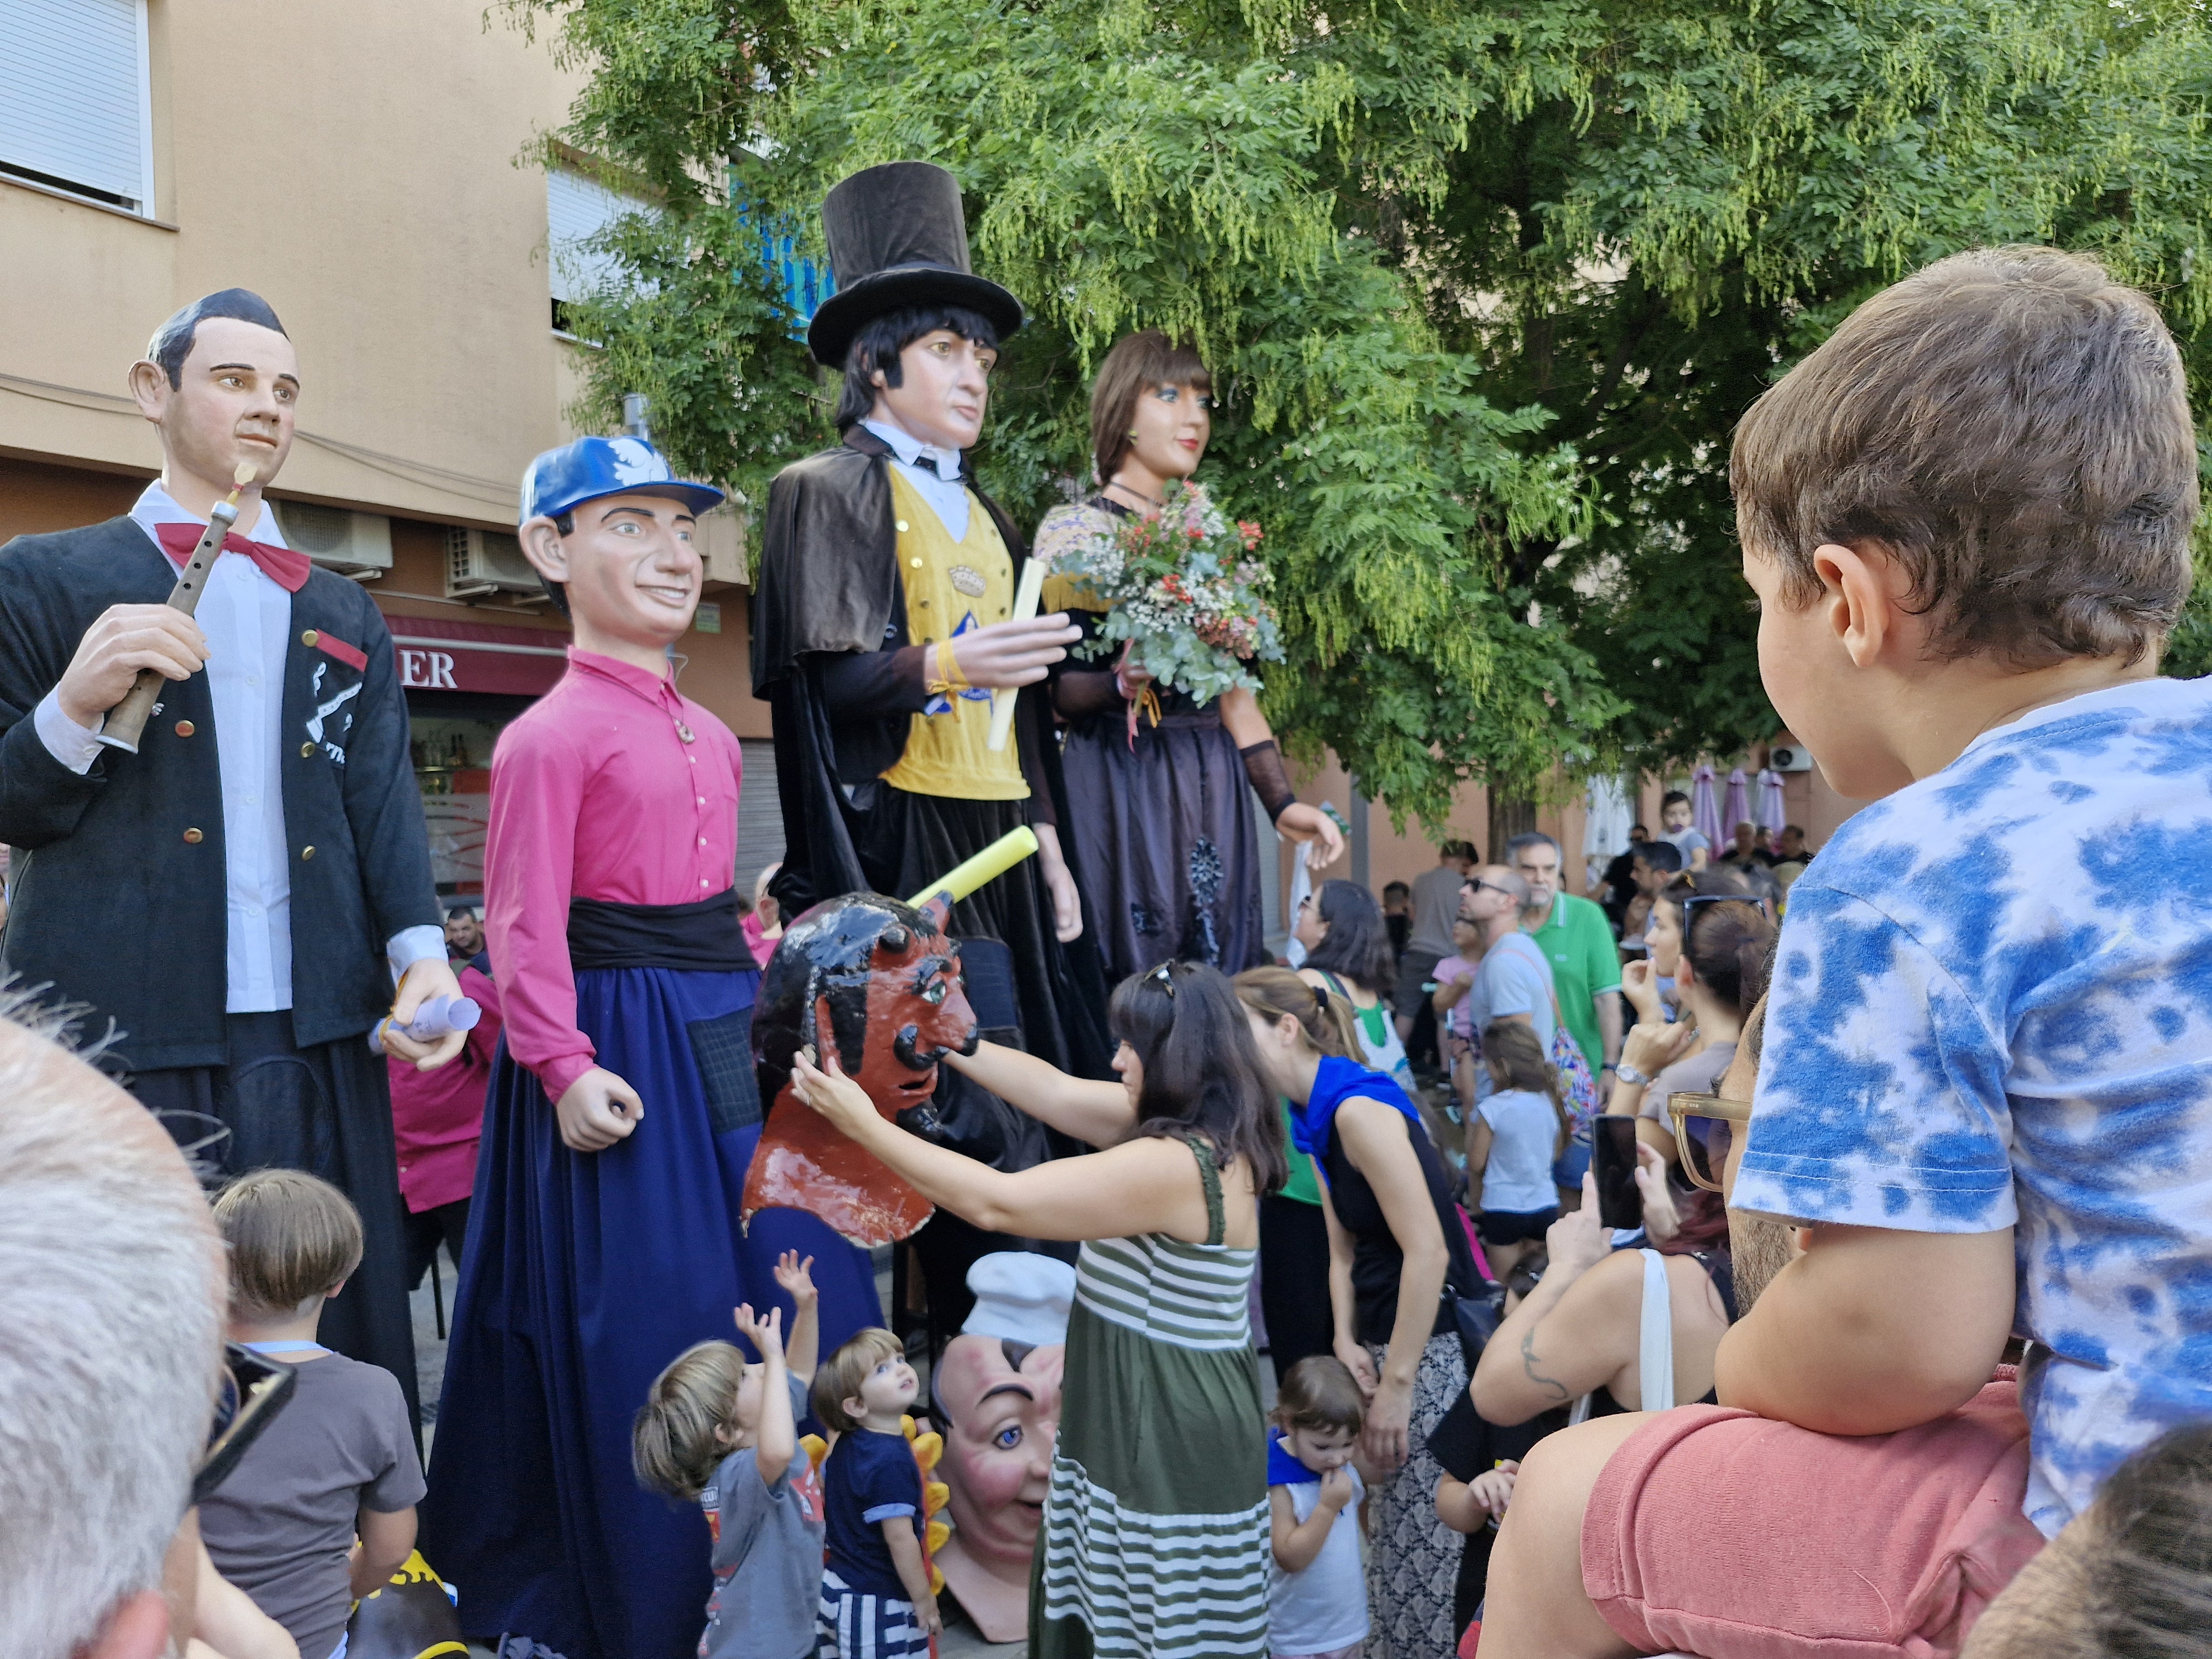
{"points": [[111, 1338], [1522, 843]]}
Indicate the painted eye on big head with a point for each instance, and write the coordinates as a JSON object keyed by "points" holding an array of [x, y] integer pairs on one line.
{"points": [[934, 992], [1008, 1438]]}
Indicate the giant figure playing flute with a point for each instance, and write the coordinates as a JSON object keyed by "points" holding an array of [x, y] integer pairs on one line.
{"points": [[885, 623], [238, 886]]}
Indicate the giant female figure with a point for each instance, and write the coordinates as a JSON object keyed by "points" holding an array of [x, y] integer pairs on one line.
{"points": [[1166, 847]]}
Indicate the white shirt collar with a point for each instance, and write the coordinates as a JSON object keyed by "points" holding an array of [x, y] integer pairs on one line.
{"points": [[912, 450], [157, 507]]}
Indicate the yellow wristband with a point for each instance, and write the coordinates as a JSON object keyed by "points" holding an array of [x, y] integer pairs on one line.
{"points": [[948, 666]]}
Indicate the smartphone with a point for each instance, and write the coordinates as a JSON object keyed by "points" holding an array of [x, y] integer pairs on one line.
{"points": [[1612, 1161]]}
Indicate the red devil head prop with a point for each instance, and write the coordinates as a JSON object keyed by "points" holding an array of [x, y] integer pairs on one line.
{"points": [[878, 982]]}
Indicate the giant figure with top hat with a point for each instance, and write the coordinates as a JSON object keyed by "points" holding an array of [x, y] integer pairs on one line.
{"points": [[605, 1233], [238, 884], [883, 624]]}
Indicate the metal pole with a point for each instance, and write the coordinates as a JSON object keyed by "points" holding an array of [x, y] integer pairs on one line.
{"points": [[1360, 866]]}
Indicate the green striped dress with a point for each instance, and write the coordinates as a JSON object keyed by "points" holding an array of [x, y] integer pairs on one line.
{"points": [[1156, 1540]]}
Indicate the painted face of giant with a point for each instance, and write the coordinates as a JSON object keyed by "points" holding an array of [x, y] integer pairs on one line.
{"points": [[1002, 1402], [877, 982]]}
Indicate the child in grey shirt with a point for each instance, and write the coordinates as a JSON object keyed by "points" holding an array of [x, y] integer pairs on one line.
{"points": [[725, 1432]]}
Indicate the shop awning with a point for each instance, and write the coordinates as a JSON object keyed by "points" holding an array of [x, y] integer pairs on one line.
{"points": [[437, 655]]}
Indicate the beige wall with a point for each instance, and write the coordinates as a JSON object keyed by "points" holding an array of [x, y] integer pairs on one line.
{"points": [[360, 167], [1392, 856], [356, 166]]}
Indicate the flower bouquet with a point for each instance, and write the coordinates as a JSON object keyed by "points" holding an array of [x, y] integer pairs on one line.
{"points": [[1185, 597]]}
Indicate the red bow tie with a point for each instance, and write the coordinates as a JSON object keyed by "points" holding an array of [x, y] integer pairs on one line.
{"points": [[287, 569]]}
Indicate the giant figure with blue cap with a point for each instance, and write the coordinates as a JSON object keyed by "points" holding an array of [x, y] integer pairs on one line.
{"points": [[605, 1235], [239, 894], [883, 622]]}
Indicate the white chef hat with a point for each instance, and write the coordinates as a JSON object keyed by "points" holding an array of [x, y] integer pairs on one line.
{"points": [[1022, 1295]]}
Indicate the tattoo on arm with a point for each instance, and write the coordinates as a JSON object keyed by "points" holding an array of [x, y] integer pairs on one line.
{"points": [[1528, 1366]]}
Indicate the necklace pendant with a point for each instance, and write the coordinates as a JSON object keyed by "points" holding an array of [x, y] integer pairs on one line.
{"points": [[684, 733]]}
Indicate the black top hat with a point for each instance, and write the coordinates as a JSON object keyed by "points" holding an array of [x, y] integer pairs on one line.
{"points": [[897, 238]]}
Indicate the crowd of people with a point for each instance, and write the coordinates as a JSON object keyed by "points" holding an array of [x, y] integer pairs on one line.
{"points": [[1759, 1254]]}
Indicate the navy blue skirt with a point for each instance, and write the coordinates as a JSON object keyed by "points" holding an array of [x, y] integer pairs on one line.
{"points": [[584, 1273]]}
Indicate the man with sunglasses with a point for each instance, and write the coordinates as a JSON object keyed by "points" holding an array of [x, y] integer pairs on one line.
{"points": [[1514, 982]]}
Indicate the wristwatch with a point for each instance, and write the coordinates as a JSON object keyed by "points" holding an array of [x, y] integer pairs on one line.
{"points": [[1626, 1073]]}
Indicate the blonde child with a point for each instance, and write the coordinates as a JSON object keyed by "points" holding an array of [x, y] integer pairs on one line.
{"points": [[876, 1599], [1317, 1595], [719, 1431], [320, 1511]]}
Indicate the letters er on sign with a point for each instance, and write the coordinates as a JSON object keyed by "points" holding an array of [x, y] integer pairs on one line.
{"points": [[427, 670]]}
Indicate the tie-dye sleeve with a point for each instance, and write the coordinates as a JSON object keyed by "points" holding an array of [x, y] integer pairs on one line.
{"points": [[1881, 1099]]}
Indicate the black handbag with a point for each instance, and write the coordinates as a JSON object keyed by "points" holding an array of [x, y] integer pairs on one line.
{"points": [[1477, 1318]]}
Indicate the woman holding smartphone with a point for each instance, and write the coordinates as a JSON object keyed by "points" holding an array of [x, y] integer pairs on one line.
{"points": [[1711, 937], [1395, 1247]]}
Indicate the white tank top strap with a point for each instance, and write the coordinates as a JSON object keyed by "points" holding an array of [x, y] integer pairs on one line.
{"points": [[1654, 1359]]}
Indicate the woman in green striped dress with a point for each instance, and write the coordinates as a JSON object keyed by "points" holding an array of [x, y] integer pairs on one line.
{"points": [[1155, 1540]]}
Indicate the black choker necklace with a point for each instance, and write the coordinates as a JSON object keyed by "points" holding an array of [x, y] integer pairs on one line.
{"points": [[1147, 500]]}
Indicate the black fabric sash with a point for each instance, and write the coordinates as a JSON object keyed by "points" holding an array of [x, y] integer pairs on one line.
{"points": [[702, 936]]}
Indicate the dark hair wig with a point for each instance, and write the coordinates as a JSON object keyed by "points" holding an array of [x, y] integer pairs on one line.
{"points": [[1201, 1071], [172, 342], [1357, 945], [879, 341]]}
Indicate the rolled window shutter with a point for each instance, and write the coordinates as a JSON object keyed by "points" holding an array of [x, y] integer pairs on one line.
{"points": [[72, 94], [760, 814], [577, 209]]}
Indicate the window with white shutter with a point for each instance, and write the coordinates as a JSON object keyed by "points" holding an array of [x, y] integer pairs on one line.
{"points": [[577, 209], [75, 109]]}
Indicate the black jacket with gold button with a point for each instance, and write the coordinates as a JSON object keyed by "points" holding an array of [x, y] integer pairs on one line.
{"points": [[118, 892]]}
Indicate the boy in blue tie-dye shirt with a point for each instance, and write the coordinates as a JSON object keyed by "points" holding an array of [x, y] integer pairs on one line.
{"points": [[1987, 1082]]}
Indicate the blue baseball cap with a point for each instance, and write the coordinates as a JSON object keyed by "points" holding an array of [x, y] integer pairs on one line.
{"points": [[561, 480]]}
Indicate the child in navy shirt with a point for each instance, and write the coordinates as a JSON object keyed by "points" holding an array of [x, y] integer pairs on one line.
{"points": [[876, 1597]]}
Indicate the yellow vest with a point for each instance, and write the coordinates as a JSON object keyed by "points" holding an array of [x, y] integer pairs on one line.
{"points": [[951, 588]]}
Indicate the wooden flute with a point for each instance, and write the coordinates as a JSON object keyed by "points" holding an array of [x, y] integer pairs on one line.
{"points": [[126, 721]]}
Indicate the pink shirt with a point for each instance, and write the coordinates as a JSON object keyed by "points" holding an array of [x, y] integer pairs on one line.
{"points": [[1455, 970], [595, 793]]}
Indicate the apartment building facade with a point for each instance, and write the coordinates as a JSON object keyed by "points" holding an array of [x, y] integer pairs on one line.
{"points": [[373, 172]]}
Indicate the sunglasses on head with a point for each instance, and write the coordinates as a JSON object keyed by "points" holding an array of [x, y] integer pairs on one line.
{"points": [[253, 1391], [1699, 1162], [1690, 903]]}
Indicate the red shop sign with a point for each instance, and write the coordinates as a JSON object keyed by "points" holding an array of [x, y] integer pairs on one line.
{"points": [[437, 655]]}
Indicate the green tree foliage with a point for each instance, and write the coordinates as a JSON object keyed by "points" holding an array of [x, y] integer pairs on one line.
{"points": [[1487, 287]]}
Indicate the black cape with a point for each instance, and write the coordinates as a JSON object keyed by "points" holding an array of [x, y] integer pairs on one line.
{"points": [[829, 587]]}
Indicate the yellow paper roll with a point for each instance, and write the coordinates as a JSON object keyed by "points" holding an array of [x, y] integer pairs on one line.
{"points": [[994, 860]]}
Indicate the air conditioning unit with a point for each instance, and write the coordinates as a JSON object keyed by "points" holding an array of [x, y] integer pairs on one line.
{"points": [[1789, 758], [482, 562], [355, 544]]}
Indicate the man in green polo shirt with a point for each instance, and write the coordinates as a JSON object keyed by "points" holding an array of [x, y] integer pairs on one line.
{"points": [[1578, 941]]}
